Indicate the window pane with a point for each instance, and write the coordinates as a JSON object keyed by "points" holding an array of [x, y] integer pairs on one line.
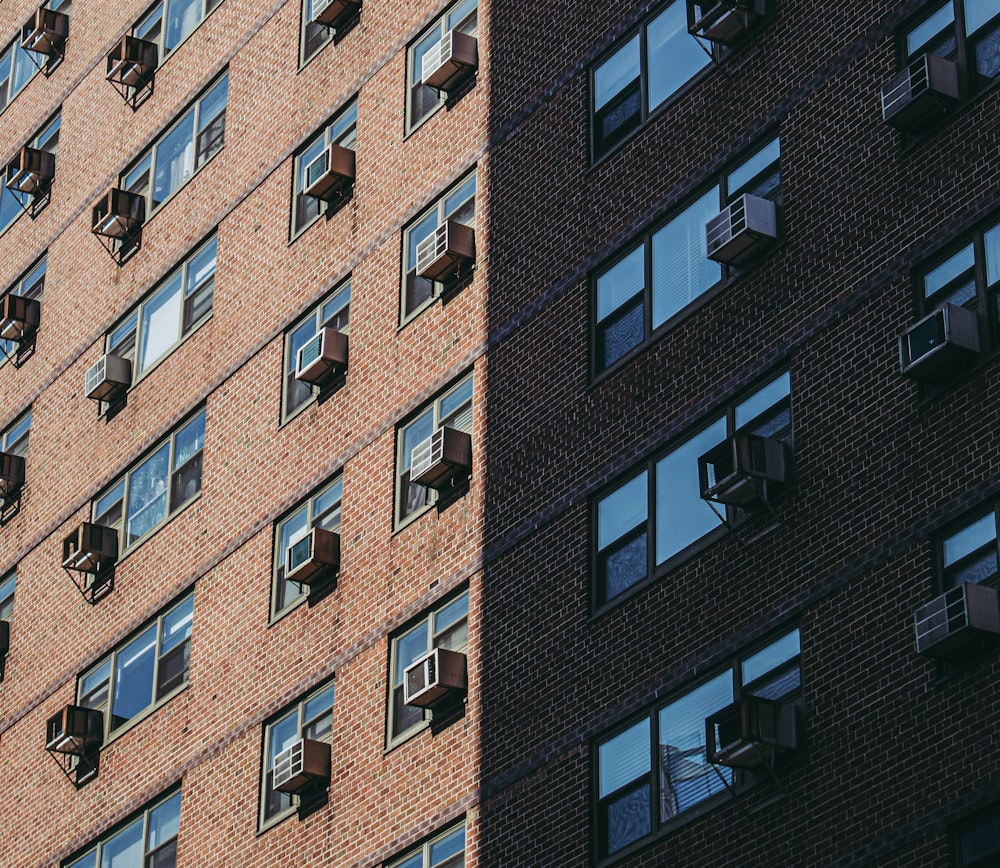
{"points": [[612, 76], [190, 439], [460, 12], [929, 28], [410, 647], [978, 12], [147, 494], [682, 517], [621, 282], [455, 200], [202, 265], [622, 510], [992, 243], [681, 269], [174, 159], [318, 705], [164, 821], [88, 861], [753, 166], [161, 317], [759, 402], [451, 402], [448, 846], [24, 69], [624, 758], [970, 538], [770, 657], [124, 850], [949, 270], [629, 819], [134, 677], [672, 53], [452, 613], [625, 566], [416, 432], [182, 17], [177, 625]]}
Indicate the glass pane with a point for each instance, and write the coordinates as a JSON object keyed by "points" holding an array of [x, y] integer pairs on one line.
{"points": [[629, 819], [929, 28], [344, 124], [681, 269], [618, 335], [328, 499], [621, 282], [161, 317], [458, 396], [177, 625], [88, 861], [948, 270], [213, 103], [284, 733], [614, 75], [190, 439], [622, 510], [134, 666], [764, 399], [164, 821], [756, 164], [980, 569], [992, 244], [411, 647], [452, 613], [969, 538], [174, 159], [413, 862], [94, 685], [24, 70], [9, 209], [625, 567], [318, 706], [335, 305], [988, 53], [182, 17], [456, 199], [292, 529], [448, 846], [460, 12], [416, 432], [147, 494], [124, 850], [202, 265], [978, 12], [672, 53], [624, 758], [682, 517], [771, 657]]}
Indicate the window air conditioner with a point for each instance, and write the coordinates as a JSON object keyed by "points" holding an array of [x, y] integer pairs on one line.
{"points": [[19, 316], [4, 641], [316, 553], [90, 548], [726, 22], [443, 253], [741, 230], [961, 616], [334, 13], [751, 732], [942, 341], [31, 171], [726, 473], [108, 378], [75, 730], [11, 474], [330, 173], [442, 458], [919, 95], [118, 214], [132, 61], [433, 678], [302, 767], [452, 59], [45, 32], [322, 358]]}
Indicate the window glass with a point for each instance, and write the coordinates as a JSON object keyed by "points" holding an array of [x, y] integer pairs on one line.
{"points": [[762, 400], [992, 244], [424, 100], [7, 596], [978, 12], [930, 27], [15, 439], [754, 165], [970, 553], [447, 849], [624, 758], [616, 72], [771, 657], [949, 270], [673, 55], [148, 841]]}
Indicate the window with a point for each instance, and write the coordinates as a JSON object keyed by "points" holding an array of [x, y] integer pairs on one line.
{"points": [[457, 204], [642, 74], [310, 718], [148, 841], [12, 204], [655, 769], [340, 131], [970, 553], [169, 314], [169, 22], [422, 101], [965, 31], [15, 438], [445, 626], [157, 487], [181, 150], [977, 840], [968, 277], [17, 66], [650, 522], [314, 36], [144, 672], [446, 850], [322, 510], [30, 285], [454, 408], [7, 596], [646, 289]]}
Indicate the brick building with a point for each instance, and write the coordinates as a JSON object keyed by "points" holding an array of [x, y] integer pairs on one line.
{"points": [[588, 459]]}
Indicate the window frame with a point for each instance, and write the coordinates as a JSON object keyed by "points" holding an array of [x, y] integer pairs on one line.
{"points": [[984, 818], [8, 586], [45, 139], [14, 438], [435, 636], [437, 30], [647, 528], [146, 22], [330, 517], [161, 690], [756, 183], [424, 850], [139, 177], [341, 129], [31, 284], [442, 209], [740, 779], [149, 849], [401, 517], [949, 575], [266, 820], [13, 50], [114, 511]]}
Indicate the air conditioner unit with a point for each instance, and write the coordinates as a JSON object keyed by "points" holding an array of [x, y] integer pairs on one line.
{"points": [[334, 13], [741, 230], [90, 548], [75, 730], [108, 378], [729, 473], [45, 32], [939, 343], [19, 316], [118, 214], [726, 22], [322, 358], [921, 94], [433, 678], [302, 767], [961, 616], [31, 171], [316, 553], [4, 638], [751, 732], [443, 253], [440, 459], [132, 61], [449, 61], [330, 173], [11, 473]]}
